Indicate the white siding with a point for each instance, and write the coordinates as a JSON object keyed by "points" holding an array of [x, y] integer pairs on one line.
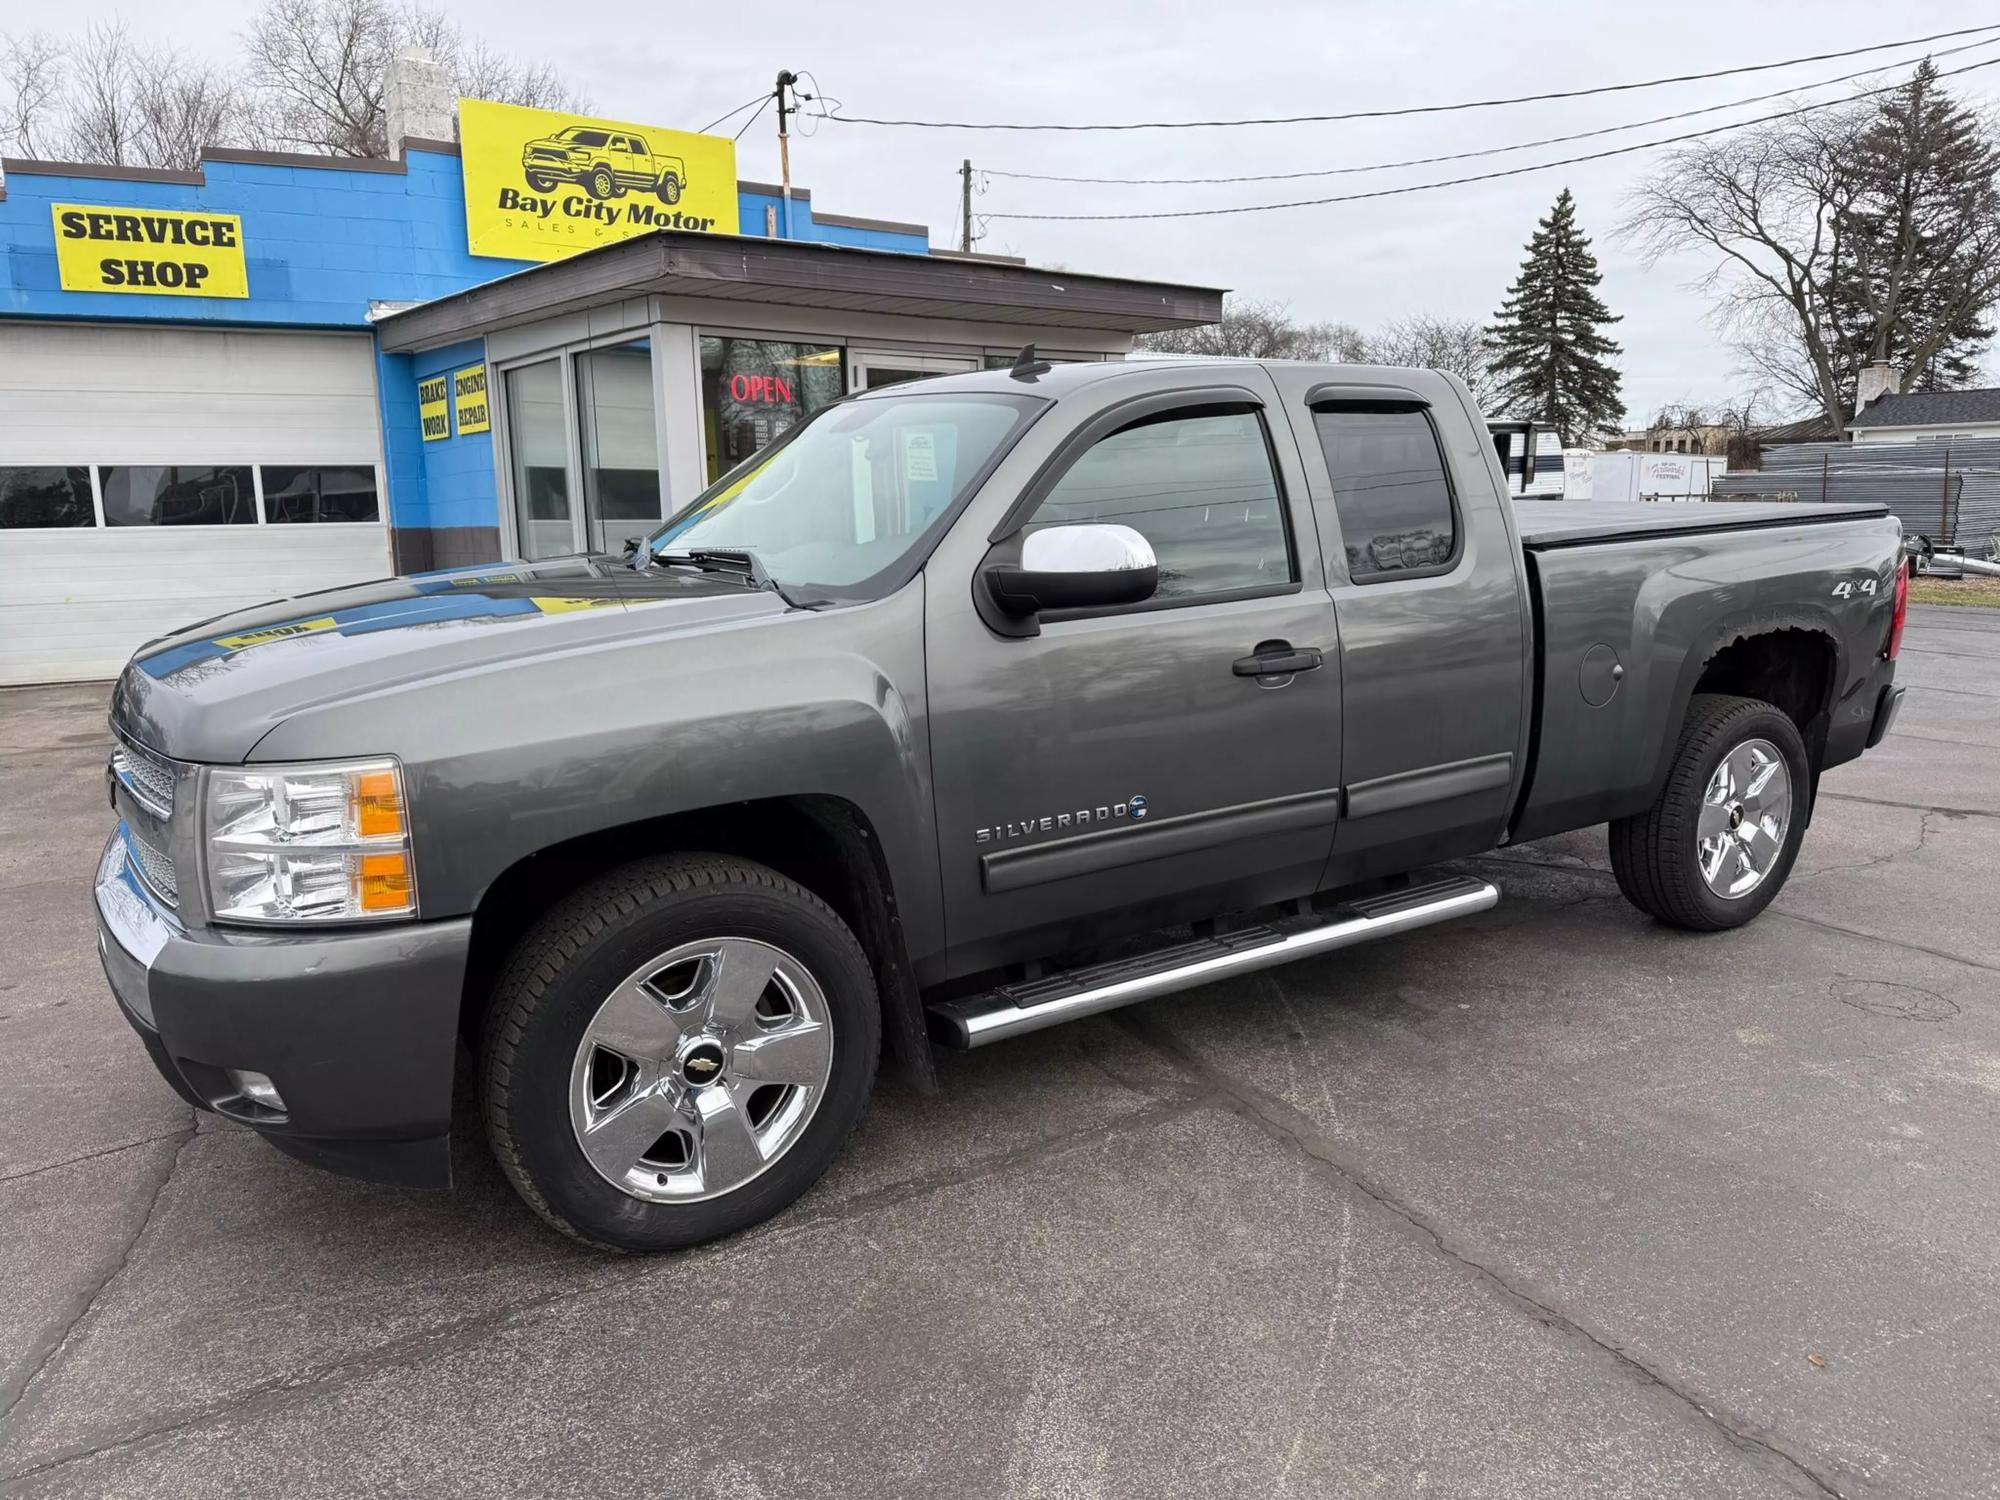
{"points": [[75, 603]]}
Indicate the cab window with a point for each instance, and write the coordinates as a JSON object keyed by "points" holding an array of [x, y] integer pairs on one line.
{"points": [[1391, 491], [1200, 487]]}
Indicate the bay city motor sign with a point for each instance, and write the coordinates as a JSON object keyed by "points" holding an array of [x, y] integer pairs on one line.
{"points": [[153, 252], [540, 184]]}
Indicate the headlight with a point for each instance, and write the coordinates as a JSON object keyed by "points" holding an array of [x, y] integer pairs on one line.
{"points": [[325, 842]]}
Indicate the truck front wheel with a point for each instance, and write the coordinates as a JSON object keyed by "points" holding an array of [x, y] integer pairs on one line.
{"points": [[1716, 845], [676, 1052]]}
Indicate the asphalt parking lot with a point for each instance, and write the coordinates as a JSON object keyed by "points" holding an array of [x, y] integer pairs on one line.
{"points": [[1553, 1202]]}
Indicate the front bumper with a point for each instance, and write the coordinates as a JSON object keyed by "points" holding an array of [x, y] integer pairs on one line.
{"points": [[358, 1029]]}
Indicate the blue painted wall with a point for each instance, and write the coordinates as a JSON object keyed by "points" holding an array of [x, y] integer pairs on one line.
{"points": [[322, 241]]}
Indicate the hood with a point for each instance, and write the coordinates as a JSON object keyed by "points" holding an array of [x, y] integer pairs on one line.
{"points": [[212, 691]]}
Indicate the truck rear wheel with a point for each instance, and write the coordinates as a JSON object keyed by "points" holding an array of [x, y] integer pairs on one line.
{"points": [[1715, 847], [669, 189], [676, 1052]]}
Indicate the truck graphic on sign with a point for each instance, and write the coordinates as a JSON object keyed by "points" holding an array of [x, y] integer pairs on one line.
{"points": [[605, 163]]}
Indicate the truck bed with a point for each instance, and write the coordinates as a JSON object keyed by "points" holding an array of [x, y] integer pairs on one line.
{"points": [[1570, 523]]}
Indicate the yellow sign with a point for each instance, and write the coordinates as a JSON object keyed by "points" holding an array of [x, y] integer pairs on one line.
{"points": [[540, 184], [468, 395], [151, 251], [434, 407], [275, 633]]}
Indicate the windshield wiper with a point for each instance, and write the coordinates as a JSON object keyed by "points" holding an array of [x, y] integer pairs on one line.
{"points": [[736, 560]]}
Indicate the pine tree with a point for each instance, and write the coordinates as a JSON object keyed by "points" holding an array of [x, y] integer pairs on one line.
{"points": [[1926, 174], [1549, 353]]}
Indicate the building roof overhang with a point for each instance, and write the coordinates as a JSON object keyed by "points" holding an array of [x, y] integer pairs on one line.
{"points": [[680, 263]]}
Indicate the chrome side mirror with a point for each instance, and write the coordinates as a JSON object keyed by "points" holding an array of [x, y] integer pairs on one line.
{"points": [[1074, 567]]}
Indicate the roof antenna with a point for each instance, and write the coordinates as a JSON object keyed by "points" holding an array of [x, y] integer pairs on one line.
{"points": [[1027, 367]]}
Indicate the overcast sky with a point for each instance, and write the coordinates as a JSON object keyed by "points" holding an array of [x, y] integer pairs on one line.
{"points": [[1452, 251]]}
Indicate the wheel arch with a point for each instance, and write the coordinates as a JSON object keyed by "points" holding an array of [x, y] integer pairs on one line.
{"points": [[1795, 662], [825, 843]]}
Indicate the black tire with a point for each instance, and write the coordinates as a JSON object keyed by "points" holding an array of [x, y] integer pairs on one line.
{"points": [[669, 189], [562, 971], [1655, 854], [600, 183], [540, 182]]}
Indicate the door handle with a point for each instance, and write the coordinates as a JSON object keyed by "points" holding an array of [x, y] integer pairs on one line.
{"points": [[1277, 659]]}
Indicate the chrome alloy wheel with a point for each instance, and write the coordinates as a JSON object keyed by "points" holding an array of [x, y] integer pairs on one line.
{"points": [[700, 1070], [1745, 814]]}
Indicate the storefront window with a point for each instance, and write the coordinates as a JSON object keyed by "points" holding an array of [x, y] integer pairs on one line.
{"points": [[538, 442], [320, 494], [183, 495], [752, 390], [37, 497], [621, 455]]}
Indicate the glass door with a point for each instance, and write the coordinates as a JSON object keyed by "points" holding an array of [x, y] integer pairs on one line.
{"points": [[621, 453], [538, 454], [869, 369]]}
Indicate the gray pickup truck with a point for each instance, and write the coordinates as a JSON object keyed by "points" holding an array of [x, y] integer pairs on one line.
{"points": [[964, 708]]}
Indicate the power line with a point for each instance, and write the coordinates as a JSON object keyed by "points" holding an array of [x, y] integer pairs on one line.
{"points": [[733, 113], [1429, 161], [765, 105], [1421, 109], [1567, 161]]}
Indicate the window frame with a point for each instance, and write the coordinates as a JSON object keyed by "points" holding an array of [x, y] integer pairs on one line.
{"points": [[1155, 406], [95, 522], [1317, 403]]}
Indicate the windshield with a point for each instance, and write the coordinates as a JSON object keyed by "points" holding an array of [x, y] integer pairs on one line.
{"points": [[850, 492]]}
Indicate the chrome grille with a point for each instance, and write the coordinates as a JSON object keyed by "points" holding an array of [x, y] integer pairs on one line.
{"points": [[155, 866], [148, 777]]}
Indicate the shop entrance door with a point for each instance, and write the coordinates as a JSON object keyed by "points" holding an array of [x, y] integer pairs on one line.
{"points": [[870, 369]]}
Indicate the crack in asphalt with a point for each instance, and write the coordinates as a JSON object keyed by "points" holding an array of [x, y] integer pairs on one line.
{"points": [[1929, 807], [1288, 1126], [470, 1332], [1773, 910], [1923, 838], [71, 1161], [14, 1398]]}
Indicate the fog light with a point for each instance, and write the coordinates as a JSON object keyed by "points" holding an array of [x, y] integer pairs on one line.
{"points": [[257, 1088]]}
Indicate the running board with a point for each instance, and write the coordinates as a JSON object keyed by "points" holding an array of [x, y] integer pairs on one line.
{"points": [[1014, 1009]]}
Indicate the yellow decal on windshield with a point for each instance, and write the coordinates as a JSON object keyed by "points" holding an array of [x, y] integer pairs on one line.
{"points": [[541, 184], [275, 633], [557, 606]]}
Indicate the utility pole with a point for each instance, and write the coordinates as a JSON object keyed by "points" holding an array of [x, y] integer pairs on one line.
{"points": [[965, 207], [786, 79]]}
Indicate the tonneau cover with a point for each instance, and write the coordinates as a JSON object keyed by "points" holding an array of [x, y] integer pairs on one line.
{"points": [[1569, 523]]}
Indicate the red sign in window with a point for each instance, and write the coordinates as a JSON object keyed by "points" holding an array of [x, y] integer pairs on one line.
{"points": [[770, 389]]}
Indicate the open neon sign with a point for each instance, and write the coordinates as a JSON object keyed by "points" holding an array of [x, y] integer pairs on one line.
{"points": [[769, 389]]}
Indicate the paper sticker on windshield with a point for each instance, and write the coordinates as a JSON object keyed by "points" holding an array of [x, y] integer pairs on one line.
{"points": [[920, 458], [275, 633]]}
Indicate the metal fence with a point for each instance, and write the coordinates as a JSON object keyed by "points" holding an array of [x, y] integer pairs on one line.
{"points": [[1947, 491]]}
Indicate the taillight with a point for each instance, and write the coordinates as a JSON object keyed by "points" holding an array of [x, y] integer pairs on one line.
{"points": [[1902, 609]]}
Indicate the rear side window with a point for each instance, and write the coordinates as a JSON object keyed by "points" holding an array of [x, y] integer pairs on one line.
{"points": [[1199, 487], [1390, 490]]}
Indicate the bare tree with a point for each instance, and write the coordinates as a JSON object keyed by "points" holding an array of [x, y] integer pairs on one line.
{"points": [[109, 99], [30, 94], [1842, 235], [319, 66], [1429, 342], [1253, 329], [103, 79], [180, 107]]}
